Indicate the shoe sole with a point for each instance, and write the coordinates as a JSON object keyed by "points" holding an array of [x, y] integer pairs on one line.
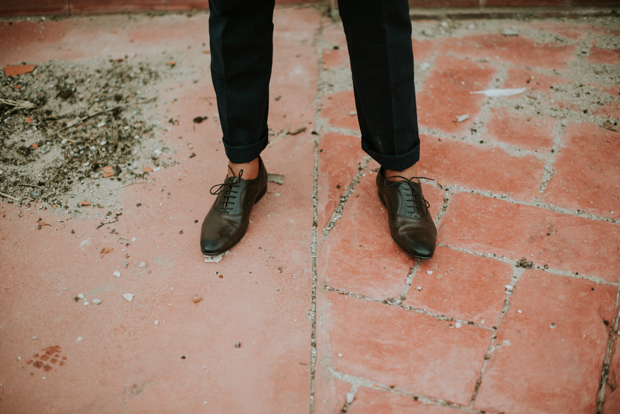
{"points": [[397, 243], [258, 198]]}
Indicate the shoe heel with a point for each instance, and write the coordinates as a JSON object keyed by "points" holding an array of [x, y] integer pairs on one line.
{"points": [[381, 198], [262, 193]]}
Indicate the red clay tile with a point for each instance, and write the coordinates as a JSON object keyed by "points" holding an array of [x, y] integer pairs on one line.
{"points": [[330, 393], [525, 3], [422, 49], [16, 70], [371, 401], [380, 266], [461, 285], [551, 355], [187, 5], [521, 130], [404, 348], [612, 391], [480, 167], [608, 56], [522, 78], [562, 241], [444, 3], [445, 93], [33, 7], [115, 6], [587, 172], [339, 110], [518, 50], [334, 58], [339, 160]]}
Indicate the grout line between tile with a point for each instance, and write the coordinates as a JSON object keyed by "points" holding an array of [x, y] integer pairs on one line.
{"points": [[398, 303], [613, 333], [315, 221], [357, 382], [516, 275]]}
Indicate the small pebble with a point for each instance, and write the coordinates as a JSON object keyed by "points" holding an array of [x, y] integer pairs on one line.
{"points": [[552, 325], [339, 355], [96, 301], [128, 296], [156, 323], [35, 337], [197, 298], [133, 239], [117, 273], [429, 272], [81, 296], [458, 325], [350, 397], [520, 311], [79, 339], [125, 263], [86, 303], [238, 345], [419, 287], [508, 287], [142, 265]]}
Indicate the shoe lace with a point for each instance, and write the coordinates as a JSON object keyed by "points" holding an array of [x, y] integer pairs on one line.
{"points": [[413, 198], [227, 189]]}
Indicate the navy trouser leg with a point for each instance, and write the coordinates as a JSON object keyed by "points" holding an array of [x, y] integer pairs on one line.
{"points": [[241, 38], [379, 40]]}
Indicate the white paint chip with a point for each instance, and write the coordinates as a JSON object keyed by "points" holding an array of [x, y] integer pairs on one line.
{"points": [[128, 296]]}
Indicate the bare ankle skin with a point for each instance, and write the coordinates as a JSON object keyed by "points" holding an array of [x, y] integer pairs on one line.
{"points": [[407, 173], [250, 169]]}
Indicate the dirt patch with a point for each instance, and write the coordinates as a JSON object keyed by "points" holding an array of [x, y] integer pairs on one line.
{"points": [[72, 133]]}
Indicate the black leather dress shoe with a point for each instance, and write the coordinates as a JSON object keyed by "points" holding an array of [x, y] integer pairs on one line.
{"points": [[228, 219], [411, 224]]}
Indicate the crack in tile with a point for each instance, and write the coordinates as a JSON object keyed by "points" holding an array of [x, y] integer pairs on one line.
{"points": [[516, 275], [349, 189], [398, 303], [357, 382], [613, 333]]}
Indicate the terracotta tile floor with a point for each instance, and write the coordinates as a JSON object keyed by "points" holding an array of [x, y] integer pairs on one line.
{"points": [[331, 316]]}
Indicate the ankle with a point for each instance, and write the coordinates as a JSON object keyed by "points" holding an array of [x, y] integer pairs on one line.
{"points": [[250, 169], [408, 173]]}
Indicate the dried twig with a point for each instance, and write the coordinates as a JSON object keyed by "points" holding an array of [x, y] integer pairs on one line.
{"points": [[77, 121], [8, 196]]}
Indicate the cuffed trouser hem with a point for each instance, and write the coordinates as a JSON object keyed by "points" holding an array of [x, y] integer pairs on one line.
{"points": [[395, 162], [240, 154]]}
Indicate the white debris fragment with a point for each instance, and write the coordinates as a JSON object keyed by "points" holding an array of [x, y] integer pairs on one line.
{"points": [[508, 287], [35, 337], [429, 272], [520, 311], [86, 303], [419, 287], [499, 92], [81, 296], [462, 118], [142, 265], [458, 325], [352, 113], [339, 355], [214, 259], [156, 323], [506, 342], [425, 66], [79, 339], [117, 273], [128, 296], [428, 32], [133, 239], [96, 301], [350, 397], [510, 31], [125, 263]]}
